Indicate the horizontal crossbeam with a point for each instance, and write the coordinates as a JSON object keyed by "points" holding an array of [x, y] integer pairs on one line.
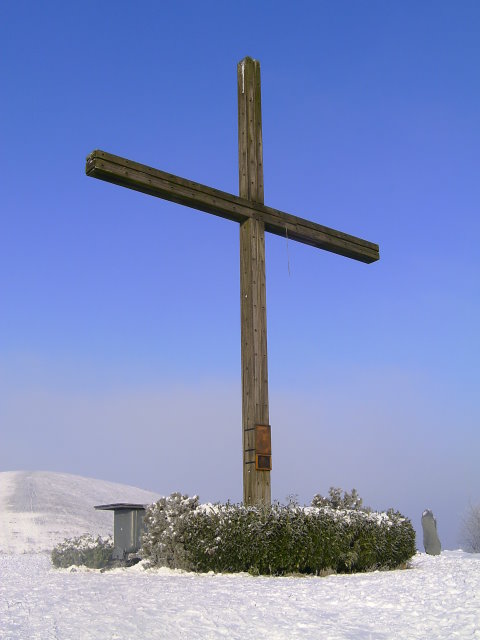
{"points": [[140, 177]]}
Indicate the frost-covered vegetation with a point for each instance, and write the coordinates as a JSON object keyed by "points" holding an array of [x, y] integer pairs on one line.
{"points": [[470, 532], [166, 524], [336, 500], [95, 553], [335, 534]]}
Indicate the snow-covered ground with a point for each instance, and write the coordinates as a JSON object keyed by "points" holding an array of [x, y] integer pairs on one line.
{"points": [[438, 597]]}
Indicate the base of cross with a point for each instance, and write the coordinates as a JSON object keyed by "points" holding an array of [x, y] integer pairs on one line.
{"points": [[257, 464]]}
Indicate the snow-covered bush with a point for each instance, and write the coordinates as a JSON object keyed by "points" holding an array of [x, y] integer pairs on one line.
{"points": [[86, 550], [276, 540], [470, 532], [335, 500], [165, 522]]}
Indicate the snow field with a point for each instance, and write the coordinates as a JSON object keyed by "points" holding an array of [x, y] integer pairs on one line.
{"points": [[439, 597]]}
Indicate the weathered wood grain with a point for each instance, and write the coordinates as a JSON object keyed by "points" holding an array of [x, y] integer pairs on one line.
{"points": [[140, 177], [253, 304]]}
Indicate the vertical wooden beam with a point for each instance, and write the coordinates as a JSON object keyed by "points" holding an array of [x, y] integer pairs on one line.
{"points": [[256, 483]]}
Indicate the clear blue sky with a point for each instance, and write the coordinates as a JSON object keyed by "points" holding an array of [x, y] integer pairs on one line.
{"points": [[119, 318]]}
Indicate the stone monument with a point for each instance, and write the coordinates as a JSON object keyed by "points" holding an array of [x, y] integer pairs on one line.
{"points": [[431, 541]]}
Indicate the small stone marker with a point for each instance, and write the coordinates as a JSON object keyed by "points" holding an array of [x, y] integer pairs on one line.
{"points": [[431, 541]]}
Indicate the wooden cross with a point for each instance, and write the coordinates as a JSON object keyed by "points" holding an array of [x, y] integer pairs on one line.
{"points": [[254, 218]]}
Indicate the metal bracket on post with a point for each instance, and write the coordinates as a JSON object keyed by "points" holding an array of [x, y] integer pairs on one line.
{"points": [[263, 447]]}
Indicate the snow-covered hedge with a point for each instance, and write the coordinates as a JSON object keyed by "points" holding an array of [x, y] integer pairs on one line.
{"points": [[165, 528], [95, 553], [274, 540]]}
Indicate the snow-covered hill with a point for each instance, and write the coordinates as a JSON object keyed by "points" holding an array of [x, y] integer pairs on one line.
{"points": [[40, 508]]}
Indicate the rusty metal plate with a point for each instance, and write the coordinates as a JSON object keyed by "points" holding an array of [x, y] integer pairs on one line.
{"points": [[263, 463], [263, 439]]}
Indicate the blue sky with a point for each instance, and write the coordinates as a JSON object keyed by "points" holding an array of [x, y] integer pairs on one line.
{"points": [[119, 313]]}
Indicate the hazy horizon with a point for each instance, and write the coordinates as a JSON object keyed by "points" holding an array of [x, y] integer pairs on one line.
{"points": [[120, 314]]}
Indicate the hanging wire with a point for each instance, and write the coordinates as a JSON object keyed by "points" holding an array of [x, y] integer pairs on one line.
{"points": [[288, 255]]}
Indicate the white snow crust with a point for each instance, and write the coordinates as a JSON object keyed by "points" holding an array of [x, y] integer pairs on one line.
{"points": [[438, 598]]}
